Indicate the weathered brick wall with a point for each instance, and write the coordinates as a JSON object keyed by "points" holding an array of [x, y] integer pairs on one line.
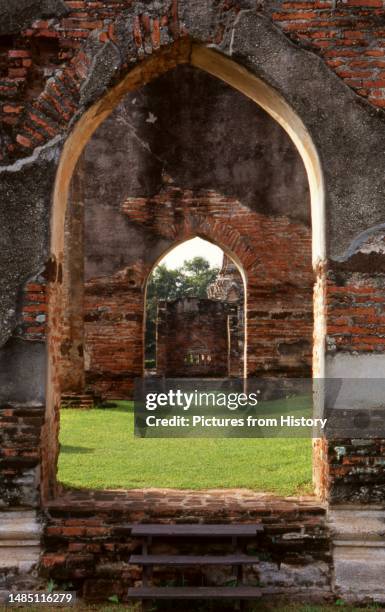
{"points": [[20, 455], [355, 299], [356, 471], [33, 319], [56, 62], [112, 360], [50, 430], [279, 287], [113, 316], [356, 307], [88, 544], [131, 218], [347, 35], [192, 338], [276, 256]]}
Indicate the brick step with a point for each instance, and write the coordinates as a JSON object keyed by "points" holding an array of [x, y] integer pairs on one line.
{"points": [[358, 526], [12, 557], [148, 560], [19, 526], [82, 402], [186, 530], [241, 592], [236, 559]]}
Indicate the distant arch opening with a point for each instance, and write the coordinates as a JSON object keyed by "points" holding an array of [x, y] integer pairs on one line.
{"points": [[195, 314]]}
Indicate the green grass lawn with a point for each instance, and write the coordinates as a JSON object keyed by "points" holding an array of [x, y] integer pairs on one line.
{"points": [[99, 450]]}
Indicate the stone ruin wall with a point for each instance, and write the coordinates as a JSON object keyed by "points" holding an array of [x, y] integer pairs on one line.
{"points": [[38, 40], [57, 58], [193, 339], [279, 294]]}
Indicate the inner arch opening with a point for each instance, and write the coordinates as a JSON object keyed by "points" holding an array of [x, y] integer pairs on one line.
{"points": [[195, 314]]}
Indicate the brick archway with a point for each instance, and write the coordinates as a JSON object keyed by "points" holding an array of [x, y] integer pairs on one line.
{"points": [[183, 51], [228, 238], [232, 243]]}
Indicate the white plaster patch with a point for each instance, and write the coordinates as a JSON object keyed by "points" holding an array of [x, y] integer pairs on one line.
{"points": [[376, 244], [151, 118], [362, 380]]}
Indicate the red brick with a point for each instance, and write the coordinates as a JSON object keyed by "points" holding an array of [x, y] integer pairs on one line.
{"points": [[7, 108], [48, 128], [34, 287], [51, 559], [72, 24], [38, 329], [17, 72], [35, 308], [76, 4], [97, 531], [18, 53], [307, 15], [73, 531], [47, 33], [25, 142], [366, 3]]}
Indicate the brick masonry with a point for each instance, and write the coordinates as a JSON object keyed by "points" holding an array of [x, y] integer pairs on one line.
{"points": [[193, 339], [356, 314], [114, 321], [42, 66], [348, 35], [20, 455], [88, 544], [357, 471], [279, 287], [33, 318], [46, 61]]}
